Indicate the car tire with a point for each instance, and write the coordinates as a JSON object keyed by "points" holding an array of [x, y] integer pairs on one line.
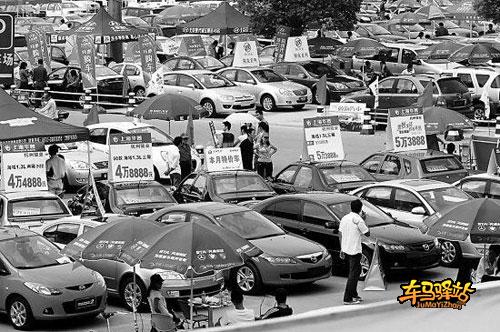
{"points": [[246, 278], [209, 106], [450, 253], [126, 289], [140, 94], [479, 112], [20, 314], [366, 261], [298, 107], [267, 102]]}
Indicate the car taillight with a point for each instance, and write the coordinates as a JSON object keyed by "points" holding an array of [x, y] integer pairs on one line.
{"points": [[441, 101]]}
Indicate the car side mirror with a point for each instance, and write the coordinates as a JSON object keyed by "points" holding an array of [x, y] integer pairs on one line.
{"points": [[249, 82], [418, 210]]}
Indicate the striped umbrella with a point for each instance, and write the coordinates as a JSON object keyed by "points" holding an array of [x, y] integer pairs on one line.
{"points": [[431, 12]]}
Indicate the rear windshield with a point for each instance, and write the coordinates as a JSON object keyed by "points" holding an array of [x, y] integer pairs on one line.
{"points": [[438, 165], [451, 86], [36, 208]]}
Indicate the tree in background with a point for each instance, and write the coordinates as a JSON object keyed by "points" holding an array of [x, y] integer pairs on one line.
{"points": [[297, 14], [488, 9]]}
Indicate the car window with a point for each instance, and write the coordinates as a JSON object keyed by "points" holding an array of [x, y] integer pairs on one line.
{"points": [[386, 86], [303, 178], [57, 74], [117, 68], [344, 174], [482, 79], [408, 56], [239, 184], [57, 52], [443, 198], [132, 70], [98, 135], [391, 166], [187, 81], [229, 74], [405, 200], [495, 190], [466, 79], [438, 165], [406, 86], [393, 55], [315, 214], [288, 209], [452, 85], [170, 79], [282, 69], [244, 77], [173, 217], [286, 176], [295, 71], [62, 233], [475, 188], [380, 196], [186, 185], [268, 210], [199, 185], [372, 164], [496, 83], [200, 218], [171, 64], [185, 64]]}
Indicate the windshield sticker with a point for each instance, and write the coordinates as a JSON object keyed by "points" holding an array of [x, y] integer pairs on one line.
{"points": [[25, 211]]}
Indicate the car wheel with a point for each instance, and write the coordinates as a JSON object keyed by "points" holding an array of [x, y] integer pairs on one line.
{"points": [[450, 253], [130, 291], [298, 107], [247, 279], [20, 315], [268, 103], [140, 94], [479, 112], [366, 261], [209, 106]]}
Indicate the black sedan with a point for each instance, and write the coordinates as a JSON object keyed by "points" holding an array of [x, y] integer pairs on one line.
{"points": [[194, 63], [340, 176], [129, 198], [317, 216], [308, 73], [223, 186]]}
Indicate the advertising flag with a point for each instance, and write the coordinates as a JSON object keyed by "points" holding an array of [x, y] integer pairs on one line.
{"points": [[86, 57], [297, 49], [147, 47], [280, 40], [36, 43]]}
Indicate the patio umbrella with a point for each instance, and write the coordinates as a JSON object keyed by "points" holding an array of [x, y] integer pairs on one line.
{"points": [[182, 12], [361, 47], [431, 12], [441, 51], [408, 18], [323, 45], [438, 120], [410, 4], [476, 54], [168, 107]]}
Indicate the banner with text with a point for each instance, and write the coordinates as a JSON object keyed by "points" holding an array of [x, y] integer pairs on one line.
{"points": [[407, 129], [355, 111], [23, 167], [246, 54], [130, 158], [86, 57], [223, 159], [323, 140], [282, 34], [147, 47], [297, 49], [36, 42], [192, 46]]}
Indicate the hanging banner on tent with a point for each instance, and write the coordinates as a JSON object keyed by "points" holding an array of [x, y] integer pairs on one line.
{"points": [[297, 49], [407, 129], [192, 46], [7, 49], [130, 158], [86, 57], [323, 140], [223, 159], [147, 47], [36, 43], [246, 54], [282, 34], [23, 167], [375, 278]]}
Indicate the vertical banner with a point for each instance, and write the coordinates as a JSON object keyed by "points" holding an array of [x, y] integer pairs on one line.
{"points": [[36, 42], [282, 34], [130, 158], [323, 140], [297, 49], [375, 277], [86, 58], [147, 47], [407, 129], [246, 54], [7, 49]]}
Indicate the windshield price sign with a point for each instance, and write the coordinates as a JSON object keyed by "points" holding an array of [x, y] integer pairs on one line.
{"points": [[23, 167], [323, 140], [407, 128], [130, 157], [223, 159]]}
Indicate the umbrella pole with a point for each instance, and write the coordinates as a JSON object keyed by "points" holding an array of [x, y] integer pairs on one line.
{"points": [[134, 309], [191, 304]]}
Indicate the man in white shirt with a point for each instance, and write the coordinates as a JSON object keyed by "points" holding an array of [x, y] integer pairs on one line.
{"points": [[239, 314], [49, 108], [352, 226], [172, 158]]}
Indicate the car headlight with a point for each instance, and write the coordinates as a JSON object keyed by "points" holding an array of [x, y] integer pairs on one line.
{"points": [[227, 98], [278, 259], [99, 279], [41, 289], [171, 275], [78, 164], [393, 247], [338, 86], [286, 92]]}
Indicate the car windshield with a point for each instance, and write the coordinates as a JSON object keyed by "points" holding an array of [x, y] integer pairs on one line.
{"points": [[129, 195], [374, 216], [213, 81], [319, 69], [157, 136], [451, 85], [344, 174], [249, 225], [267, 76], [438, 165], [36, 207], [239, 183], [442, 198], [210, 62], [31, 252], [101, 71]]}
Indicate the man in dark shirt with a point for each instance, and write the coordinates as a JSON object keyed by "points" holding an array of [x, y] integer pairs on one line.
{"points": [[490, 29], [441, 30], [246, 147], [40, 78], [185, 160], [281, 309]]}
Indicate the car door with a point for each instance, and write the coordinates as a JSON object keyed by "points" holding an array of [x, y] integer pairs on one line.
{"points": [[198, 190], [56, 79], [133, 74], [303, 179], [62, 234], [184, 188], [390, 168], [187, 86], [406, 93], [404, 203], [314, 219], [474, 187], [386, 91], [283, 182], [169, 84], [284, 213], [247, 82]]}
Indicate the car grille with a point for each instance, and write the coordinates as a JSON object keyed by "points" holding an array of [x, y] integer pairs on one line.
{"points": [[207, 290], [300, 92], [80, 287], [311, 259], [423, 247], [243, 107], [101, 164], [70, 307], [314, 272]]}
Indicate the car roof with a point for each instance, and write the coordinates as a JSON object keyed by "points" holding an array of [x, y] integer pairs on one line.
{"points": [[320, 196], [7, 233], [415, 184], [192, 72], [228, 172], [28, 194], [483, 176], [125, 125], [246, 68], [210, 208], [473, 69], [422, 154]]}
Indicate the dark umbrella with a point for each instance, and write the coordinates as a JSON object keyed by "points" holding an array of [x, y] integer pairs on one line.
{"points": [[361, 47], [323, 45], [432, 12], [439, 119], [408, 18], [441, 51], [476, 54], [169, 107]]}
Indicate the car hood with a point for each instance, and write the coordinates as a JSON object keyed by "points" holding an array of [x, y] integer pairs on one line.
{"points": [[80, 155], [285, 85], [245, 196], [286, 245], [398, 234], [348, 186], [60, 276], [233, 91]]}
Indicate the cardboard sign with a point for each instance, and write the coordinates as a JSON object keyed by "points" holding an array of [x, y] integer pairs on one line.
{"points": [[354, 110], [223, 159], [245, 54], [7, 49], [23, 167], [282, 34], [130, 157], [407, 129], [86, 57], [147, 48], [297, 49], [323, 140], [192, 46]]}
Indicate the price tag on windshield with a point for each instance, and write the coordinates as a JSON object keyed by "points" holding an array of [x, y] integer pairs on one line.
{"points": [[407, 129], [322, 137], [23, 167], [130, 157]]}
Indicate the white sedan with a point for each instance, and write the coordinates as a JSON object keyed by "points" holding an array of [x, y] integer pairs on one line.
{"points": [[271, 90], [215, 93], [135, 76]]}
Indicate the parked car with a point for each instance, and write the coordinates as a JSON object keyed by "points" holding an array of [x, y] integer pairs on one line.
{"points": [[416, 164], [119, 275], [340, 176], [87, 6], [216, 94], [205, 62], [377, 32], [57, 54], [135, 77], [481, 185], [309, 73], [38, 283], [317, 216], [270, 89], [139, 23], [236, 186], [286, 259], [64, 8]]}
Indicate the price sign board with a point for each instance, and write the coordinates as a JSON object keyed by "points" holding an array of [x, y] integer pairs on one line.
{"points": [[130, 157], [297, 49], [407, 129], [23, 167], [223, 159], [323, 140]]}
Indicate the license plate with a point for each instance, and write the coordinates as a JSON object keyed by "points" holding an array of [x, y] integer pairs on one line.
{"points": [[172, 293], [85, 303], [302, 99]]}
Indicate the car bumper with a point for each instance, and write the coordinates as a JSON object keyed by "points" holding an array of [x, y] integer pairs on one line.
{"points": [[293, 100], [79, 178], [209, 285], [411, 260], [224, 107]]}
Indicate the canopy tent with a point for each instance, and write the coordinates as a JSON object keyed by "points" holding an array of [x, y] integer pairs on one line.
{"points": [[225, 20], [19, 123], [463, 11]]}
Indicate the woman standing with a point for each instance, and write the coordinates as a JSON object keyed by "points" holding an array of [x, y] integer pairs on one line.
{"points": [[156, 300], [264, 151], [24, 76]]}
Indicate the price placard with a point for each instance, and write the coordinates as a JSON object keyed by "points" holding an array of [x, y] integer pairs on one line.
{"points": [[323, 140], [223, 159], [130, 157], [407, 129], [23, 167]]}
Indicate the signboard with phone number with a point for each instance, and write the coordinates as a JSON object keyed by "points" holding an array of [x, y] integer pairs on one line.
{"points": [[407, 128], [130, 158], [323, 140]]}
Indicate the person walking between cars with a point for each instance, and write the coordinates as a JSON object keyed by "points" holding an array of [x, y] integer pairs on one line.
{"points": [[173, 162], [56, 171], [246, 147], [185, 158], [40, 78], [352, 226]]}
